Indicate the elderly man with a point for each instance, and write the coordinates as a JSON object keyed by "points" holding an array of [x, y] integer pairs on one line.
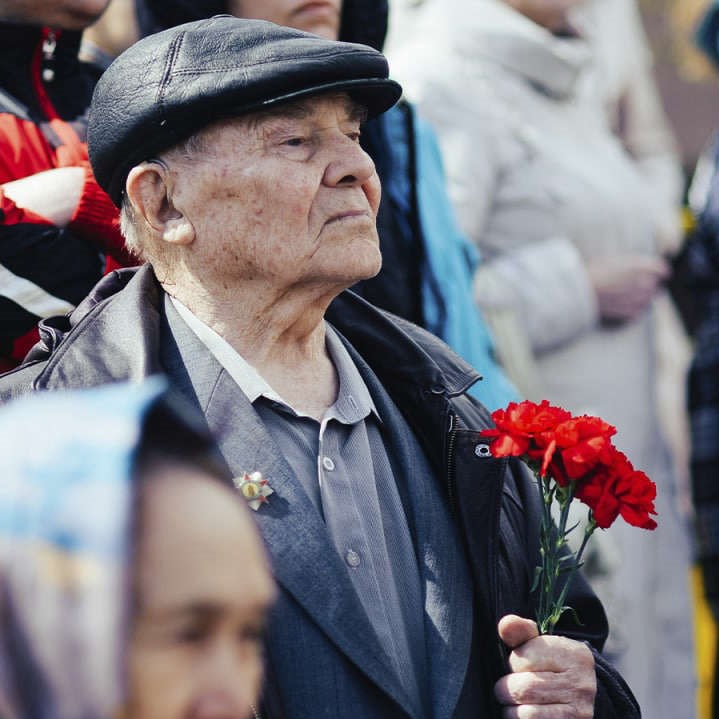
{"points": [[403, 550], [427, 264]]}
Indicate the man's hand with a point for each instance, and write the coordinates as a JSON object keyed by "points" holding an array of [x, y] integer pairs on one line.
{"points": [[552, 677]]}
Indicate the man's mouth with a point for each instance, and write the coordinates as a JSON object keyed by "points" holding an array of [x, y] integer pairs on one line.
{"points": [[349, 215]]}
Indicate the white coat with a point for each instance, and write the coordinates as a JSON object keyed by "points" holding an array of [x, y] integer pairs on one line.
{"points": [[542, 185]]}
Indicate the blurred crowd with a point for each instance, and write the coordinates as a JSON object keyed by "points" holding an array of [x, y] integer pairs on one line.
{"points": [[532, 216]]}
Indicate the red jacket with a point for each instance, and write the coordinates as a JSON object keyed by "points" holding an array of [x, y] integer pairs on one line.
{"points": [[44, 269]]}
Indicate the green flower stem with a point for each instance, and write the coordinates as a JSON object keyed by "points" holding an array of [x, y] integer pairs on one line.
{"points": [[555, 562]]}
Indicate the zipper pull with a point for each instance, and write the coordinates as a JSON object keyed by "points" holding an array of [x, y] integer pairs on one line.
{"points": [[450, 423], [48, 56]]}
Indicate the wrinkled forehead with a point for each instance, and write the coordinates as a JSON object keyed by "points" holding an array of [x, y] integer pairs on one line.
{"points": [[308, 106], [302, 109]]}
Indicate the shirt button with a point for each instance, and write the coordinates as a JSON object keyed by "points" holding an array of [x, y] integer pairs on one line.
{"points": [[352, 558], [328, 464]]}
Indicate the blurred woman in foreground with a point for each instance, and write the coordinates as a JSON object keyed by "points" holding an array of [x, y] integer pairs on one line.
{"points": [[132, 582]]}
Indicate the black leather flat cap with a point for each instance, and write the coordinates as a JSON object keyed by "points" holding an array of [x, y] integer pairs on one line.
{"points": [[170, 85]]}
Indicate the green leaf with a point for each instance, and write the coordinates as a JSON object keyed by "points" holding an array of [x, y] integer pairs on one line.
{"points": [[571, 529], [537, 578]]}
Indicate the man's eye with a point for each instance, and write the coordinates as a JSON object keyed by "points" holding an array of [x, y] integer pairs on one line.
{"points": [[354, 136], [295, 141]]}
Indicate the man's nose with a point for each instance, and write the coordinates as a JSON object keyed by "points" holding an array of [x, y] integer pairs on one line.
{"points": [[349, 165]]}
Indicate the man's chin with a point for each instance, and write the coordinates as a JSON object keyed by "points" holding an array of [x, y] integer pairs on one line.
{"points": [[353, 278], [371, 271]]}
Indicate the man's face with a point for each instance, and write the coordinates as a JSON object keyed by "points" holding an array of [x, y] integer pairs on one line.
{"points": [[202, 589], [321, 17], [65, 14], [284, 200]]}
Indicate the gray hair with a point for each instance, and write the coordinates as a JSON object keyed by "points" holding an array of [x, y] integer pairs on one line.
{"points": [[186, 151], [128, 228]]}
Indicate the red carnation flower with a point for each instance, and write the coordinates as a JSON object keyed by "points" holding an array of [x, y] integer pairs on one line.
{"points": [[576, 447], [570, 457], [520, 424], [617, 488]]}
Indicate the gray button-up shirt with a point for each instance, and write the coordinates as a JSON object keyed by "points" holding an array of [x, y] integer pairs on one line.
{"points": [[345, 468]]}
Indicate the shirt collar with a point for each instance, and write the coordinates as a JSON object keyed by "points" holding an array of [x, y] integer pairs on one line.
{"points": [[353, 403]]}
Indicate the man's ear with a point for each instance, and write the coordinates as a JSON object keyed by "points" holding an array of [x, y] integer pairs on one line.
{"points": [[149, 189]]}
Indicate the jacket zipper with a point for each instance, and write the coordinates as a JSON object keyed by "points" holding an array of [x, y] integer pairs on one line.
{"points": [[255, 713], [49, 44], [454, 425], [43, 71], [451, 439]]}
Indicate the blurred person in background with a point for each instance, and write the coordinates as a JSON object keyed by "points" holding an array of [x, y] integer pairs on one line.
{"points": [[56, 224], [703, 277], [427, 263], [621, 72], [115, 30], [622, 75], [574, 261], [132, 581]]}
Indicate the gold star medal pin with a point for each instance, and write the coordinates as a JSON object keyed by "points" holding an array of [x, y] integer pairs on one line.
{"points": [[254, 488]]}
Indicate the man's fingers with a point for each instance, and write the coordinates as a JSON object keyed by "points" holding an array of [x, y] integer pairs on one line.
{"points": [[548, 687], [551, 677], [514, 630], [530, 711], [535, 688]]}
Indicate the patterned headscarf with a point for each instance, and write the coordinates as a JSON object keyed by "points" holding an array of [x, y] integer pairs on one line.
{"points": [[66, 504]]}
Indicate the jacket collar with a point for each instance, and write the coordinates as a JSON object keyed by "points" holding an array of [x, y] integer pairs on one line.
{"points": [[552, 64], [124, 311], [399, 350], [112, 335]]}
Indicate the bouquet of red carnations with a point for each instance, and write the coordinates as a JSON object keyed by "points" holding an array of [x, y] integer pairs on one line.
{"points": [[571, 457]]}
